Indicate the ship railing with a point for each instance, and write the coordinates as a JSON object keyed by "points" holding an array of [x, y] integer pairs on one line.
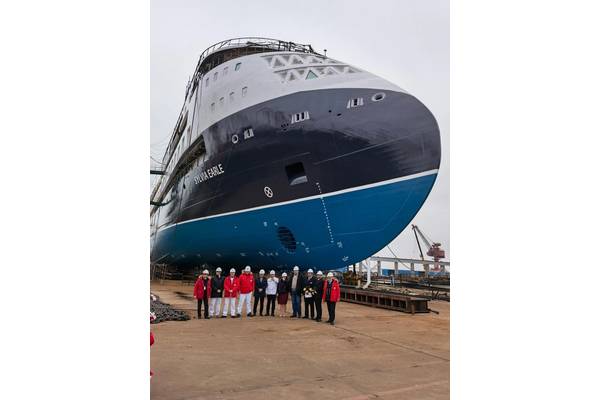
{"points": [[275, 44], [268, 43]]}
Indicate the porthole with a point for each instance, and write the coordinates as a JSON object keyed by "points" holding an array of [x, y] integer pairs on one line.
{"points": [[378, 96]]}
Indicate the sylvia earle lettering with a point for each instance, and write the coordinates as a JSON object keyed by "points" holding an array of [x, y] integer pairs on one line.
{"points": [[209, 173]]}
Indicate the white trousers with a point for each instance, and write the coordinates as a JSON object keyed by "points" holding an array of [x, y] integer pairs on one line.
{"points": [[214, 307], [228, 303], [245, 297]]}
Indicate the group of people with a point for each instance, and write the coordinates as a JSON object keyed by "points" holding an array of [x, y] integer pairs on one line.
{"points": [[211, 291]]}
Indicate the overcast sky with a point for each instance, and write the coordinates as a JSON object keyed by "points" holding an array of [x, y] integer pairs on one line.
{"points": [[403, 41]]}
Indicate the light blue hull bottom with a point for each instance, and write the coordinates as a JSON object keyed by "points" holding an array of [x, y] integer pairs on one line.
{"points": [[328, 233]]}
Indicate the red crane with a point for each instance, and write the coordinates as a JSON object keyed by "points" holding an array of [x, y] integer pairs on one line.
{"points": [[434, 249]]}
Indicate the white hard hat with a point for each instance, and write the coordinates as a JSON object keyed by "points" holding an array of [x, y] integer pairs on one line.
{"points": [[261, 272], [329, 274], [205, 271], [247, 269], [219, 269], [310, 270], [319, 273], [272, 272], [232, 270], [296, 268], [284, 274]]}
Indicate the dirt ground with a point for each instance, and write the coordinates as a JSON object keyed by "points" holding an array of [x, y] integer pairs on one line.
{"points": [[370, 353]]}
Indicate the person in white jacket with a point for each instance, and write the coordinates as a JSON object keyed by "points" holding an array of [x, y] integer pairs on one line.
{"points": [[271, 291]]}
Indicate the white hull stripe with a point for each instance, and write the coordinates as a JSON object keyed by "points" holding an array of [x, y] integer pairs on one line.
{"points": [[318, 196]]}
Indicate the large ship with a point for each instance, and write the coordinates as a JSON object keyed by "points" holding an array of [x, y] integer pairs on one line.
{"points": [[282, 156]]}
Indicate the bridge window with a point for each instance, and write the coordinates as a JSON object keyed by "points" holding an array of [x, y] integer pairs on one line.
{"points": [[215, 76], [238, 66], [206, 84], [225, 70], [231, 95], [212, 107], [244, 91], [221, 101], [311, 75], [295, 173]]}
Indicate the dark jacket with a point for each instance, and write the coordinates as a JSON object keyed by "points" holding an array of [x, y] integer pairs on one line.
{"points": [[298, 290], [319, 288], [217, 286], [283, 286], [309, 282], [260, 283]]}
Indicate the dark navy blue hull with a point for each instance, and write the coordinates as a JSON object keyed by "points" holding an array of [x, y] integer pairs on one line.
{"points": [[368, 171]]}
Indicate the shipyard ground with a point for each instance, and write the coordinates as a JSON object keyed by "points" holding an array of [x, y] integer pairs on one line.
{"points": [[370, 354]]}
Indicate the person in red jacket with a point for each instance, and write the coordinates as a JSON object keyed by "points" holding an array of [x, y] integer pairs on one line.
{"points": [[152, 318], [246, 289], [331, 295], [202, 293], [231, 288]]}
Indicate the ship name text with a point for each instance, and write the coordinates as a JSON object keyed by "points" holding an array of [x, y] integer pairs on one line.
{"points": [[209, 174]]}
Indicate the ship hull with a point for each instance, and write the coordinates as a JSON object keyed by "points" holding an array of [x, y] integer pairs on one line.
{"points": [[368, 171], [329, 232]]}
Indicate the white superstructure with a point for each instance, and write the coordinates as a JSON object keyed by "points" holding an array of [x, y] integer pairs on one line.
{"points": [[249, 80]]}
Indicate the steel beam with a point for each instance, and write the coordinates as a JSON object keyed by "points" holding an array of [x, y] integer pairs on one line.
{"points": [[407, 260]]}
